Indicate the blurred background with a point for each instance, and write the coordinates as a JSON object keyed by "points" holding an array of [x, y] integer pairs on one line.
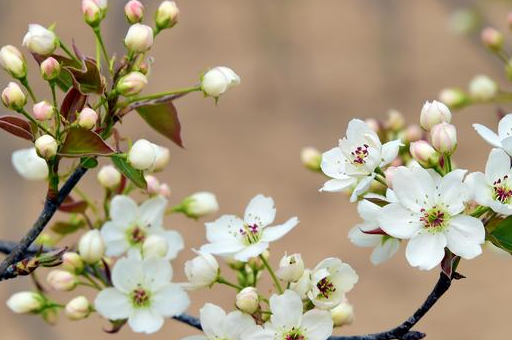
{"points": [[307, 68]]}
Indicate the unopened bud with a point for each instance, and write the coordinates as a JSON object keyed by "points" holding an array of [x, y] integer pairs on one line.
{"points": [[444, 138], [139, 38], [13, 97], [94, 11], [131, 84], [218, 80], [311, 158], [342, 314], [134, 11], [167, 15], [61, 280], [72, 262], [142, 155], [109, 177], [165, 190], [91, 246], [492, 38], [424, 153], [395, 121], [43, 110], [155, 246], [163, 156], [483, 88], [13, 62], [40, 40], [453, 97], [373, 124], [79, 308], [26, 302], [247, 300], [291, 268], [46, 146], [433, 113], [202, 271], [87, 118], [200, 204], [50, 69], [153, 185]]}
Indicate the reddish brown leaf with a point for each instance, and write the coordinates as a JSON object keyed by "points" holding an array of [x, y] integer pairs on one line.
{"points": [[87, 79], [163, 118], [81, 142], [16, 126], [71, 206], [73, 102]]}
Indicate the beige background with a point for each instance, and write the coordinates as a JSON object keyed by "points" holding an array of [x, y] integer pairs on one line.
{"points": [[307, 67]]}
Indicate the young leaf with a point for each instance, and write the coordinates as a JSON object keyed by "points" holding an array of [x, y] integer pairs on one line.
{"points": [[501, 236], [16, 126], [88, 78], [71, 206], [136, 176], [163, 118], [73, 102], [81, 142], [65, 228], [89, 162]]}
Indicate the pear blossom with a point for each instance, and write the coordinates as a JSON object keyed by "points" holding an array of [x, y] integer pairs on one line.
{"points": [[303, 285], [218, 80], [503, 139], [288, 321], [248, 237], [143, 294], [29, 165], [202, 271], [291, 268], [218, 325], [330, 280], [494, 188], [363, 234], [354, 161], [429, 211], [247, 300], [40, 40], [131, 225]]}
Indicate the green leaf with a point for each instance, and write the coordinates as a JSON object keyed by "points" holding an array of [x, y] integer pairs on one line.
{"points": [[134, 175], [66, 228], [501, 236], [163, 118], [88, 78], [89, 162], [81, 142]]}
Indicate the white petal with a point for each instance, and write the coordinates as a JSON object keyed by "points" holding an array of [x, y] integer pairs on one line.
{"points": [[385, 250], [361, 239], [274, 233], [317, 324], [426, 250], [223, 248], [170, 300], [260, 211], [465, 235], [478, 188], [151, 212], [368, 211], [362, 186], [29, 165], [345, 278], [127, 274], [333, 163], [505, 126], [115, 239], [507, 145], [286, 310], [336, 185], [452, 192], [195, 337], [357, 128], [236, 323], [123, 210], [212, 318], [498, 165], [399, 222], [414, 187], [259, 334], [390, 151], [144, 320], [488, 135], [113, 304], [157, 273], [251, 251], [224, 228], [500, 208], [175, 243]]}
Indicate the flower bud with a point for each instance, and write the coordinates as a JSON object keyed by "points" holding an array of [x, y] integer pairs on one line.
{"points": [[50, 69], [43, 110], [434, 113], [29, 165], [492, 38], [483, 88], [395, 121], [92, 12], [453, 97], [139, 38], [202, 271], [46, 146], [167, 15], [200, 204], [61, 280], [413, 133], [247, 300], [79, 308], [26, 302], [153, 187], [13, 97], [311, 158], [40, 40], [291, 268], [155, 246], [444, 138], [91, 246], [163, 157], [142, 155], [424, 153], [72, 262], [373, 124], [342, 314], [13, 62], [131, 84], [87, 118], [109, 177], [134, 11], [218, 80], [165, 190]]}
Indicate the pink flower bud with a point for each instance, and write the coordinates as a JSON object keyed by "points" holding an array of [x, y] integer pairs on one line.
{"points": [[50, 69], [424, 153], [109, 177], [46, 146], [134, 11], [13, 62], [72, 262], [93, 14], [131, 84], [13, 97], [87, 118], [79, 308], [139, 38], [453, 97], [444, 138], [153, 184], [413, 133], [43, 110], [492, 38], [434, 113], [167, 15], [247, 300], [61, 280], [165, 190]]}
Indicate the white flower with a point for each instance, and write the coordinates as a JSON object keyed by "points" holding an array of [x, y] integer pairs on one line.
{"points": [[504, 137], [330, 280], [26, 302], [130, 225], [202, 271], [353, 162], [40, 40], [303, 285], [494, 188], [143, 294], [291, 268], [29, 165], [218, 80], [230, 235], [429, 212], [288, 322], [218, 325], [385, 245]]}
